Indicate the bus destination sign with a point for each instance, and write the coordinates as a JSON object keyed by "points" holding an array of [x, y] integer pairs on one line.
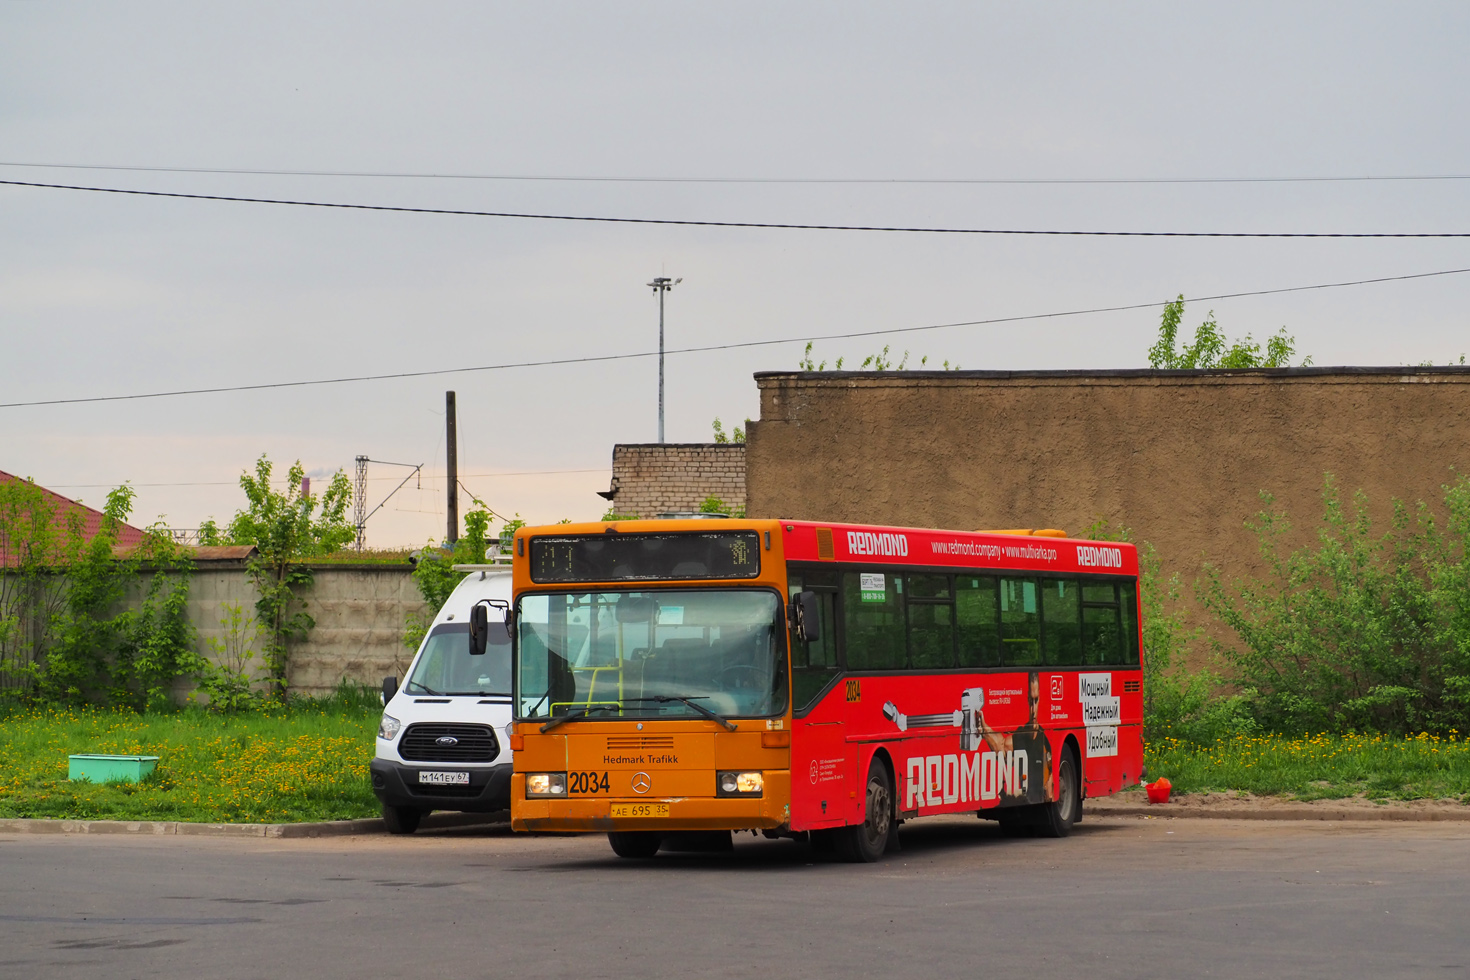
{"points": [[643, 557]]}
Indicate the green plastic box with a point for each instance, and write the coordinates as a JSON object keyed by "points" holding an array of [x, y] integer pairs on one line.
{"points": [[110, 768]]}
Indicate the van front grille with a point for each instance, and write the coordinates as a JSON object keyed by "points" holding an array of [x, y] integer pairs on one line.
{"points": [[472, 743]]}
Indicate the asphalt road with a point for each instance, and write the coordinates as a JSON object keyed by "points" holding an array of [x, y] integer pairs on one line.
{"points": [[1120, 898]]}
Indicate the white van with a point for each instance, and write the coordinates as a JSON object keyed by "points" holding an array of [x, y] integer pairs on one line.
{"points": [[443, 742]]}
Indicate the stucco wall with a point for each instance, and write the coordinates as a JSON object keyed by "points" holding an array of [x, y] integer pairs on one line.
{"points": [[649, 479], [1179, 457], [359, 613]]}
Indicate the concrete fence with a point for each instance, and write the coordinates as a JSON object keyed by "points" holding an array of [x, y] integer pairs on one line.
{"points": [[359, 611]]}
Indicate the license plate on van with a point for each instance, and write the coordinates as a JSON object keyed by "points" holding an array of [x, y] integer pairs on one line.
{"points": [[444, 779]]}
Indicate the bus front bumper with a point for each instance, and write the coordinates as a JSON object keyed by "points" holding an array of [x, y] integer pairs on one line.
{"points": [[594, 815]]}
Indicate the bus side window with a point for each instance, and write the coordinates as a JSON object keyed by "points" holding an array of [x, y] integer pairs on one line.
{"points": [[813, 665], [1128, 594], [1020, 623], [1102, 635], [1062, 618], [977, 611], [931, 622], [873, 621]]}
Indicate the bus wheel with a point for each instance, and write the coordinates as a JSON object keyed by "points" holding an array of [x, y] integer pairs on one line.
{"points": [[635, 843], [867, 842], [402, 819], [1056, 819]]}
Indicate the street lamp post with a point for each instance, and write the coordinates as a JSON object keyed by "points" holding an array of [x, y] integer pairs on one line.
{"points": [[661, 285]]}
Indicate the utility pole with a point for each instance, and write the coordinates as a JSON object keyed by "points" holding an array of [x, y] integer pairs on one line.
{"points": [[661, 285], [451, 442]]}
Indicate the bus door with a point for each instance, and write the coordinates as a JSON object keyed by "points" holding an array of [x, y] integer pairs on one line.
{"points": [[819, 730]]}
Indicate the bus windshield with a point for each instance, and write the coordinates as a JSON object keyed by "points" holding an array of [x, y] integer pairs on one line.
{"points": [[608, 655], [447, 666]]}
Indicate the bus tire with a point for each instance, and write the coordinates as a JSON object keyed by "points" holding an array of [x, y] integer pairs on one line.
{"points": [[402, 819], [866, 842], [635, 843], [1056, 819]]}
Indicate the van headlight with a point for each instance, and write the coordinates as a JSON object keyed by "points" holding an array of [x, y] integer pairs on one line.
{"points": [[739, 783], [388, 728], [546, 784]]}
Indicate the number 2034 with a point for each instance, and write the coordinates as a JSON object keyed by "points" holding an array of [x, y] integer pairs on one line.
{"points": [[587, 782]]}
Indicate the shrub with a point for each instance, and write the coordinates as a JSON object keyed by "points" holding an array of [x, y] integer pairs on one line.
{"points": [[1357, 631]]}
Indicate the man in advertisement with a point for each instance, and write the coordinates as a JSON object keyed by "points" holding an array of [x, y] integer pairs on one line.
{"points": [[1030, 739]]}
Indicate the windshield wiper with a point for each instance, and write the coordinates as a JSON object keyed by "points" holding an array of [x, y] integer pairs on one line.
{"points": [[574, 715], [691, 702], [425, 689]]}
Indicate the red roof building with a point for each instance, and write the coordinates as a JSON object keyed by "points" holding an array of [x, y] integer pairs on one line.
{"points": [[127, 535]]}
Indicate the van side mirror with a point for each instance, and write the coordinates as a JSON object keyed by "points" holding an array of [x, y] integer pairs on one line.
{"points": [[390, 688], [806, 616], [479, 629]]}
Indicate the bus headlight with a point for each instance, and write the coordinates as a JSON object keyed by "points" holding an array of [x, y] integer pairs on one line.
{"points": [[388, 728], [546, 784], [739, 783]]}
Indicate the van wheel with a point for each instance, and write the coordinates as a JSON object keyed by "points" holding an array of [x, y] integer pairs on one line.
{"points": [[402, 819], [1056, 819], [635, 843], [867, 842]]}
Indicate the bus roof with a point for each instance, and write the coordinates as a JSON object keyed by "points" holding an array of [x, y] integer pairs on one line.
{"points": [[872, 544]]}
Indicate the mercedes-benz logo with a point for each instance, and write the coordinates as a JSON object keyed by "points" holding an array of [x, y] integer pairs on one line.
{"points": [[641, 782]]}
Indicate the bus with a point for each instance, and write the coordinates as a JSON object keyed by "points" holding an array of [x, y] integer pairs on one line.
{"points": [[819, 681]]}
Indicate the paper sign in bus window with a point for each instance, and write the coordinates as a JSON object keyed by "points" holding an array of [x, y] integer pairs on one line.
{"points": [[1008, 589], [873, 587]]}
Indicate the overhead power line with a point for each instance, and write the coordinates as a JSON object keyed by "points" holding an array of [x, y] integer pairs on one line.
{"points": [[236, 483], [779, 225], [596, 358], [608, 179]]}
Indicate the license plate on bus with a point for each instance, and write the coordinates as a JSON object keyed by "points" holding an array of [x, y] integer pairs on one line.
{"points": [[444, 778], [640, 810]]}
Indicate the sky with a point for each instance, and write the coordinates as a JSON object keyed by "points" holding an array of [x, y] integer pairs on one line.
{"points": [[114, 295]]}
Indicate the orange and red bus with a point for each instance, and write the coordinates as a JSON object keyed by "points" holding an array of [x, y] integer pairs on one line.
{"points": [[817, 681]]}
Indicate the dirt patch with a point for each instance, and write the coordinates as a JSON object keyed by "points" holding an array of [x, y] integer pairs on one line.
{"points": [[1235, 805]]}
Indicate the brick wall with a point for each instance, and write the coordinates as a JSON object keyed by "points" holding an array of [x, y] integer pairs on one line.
{"points": [[1178, 457], [649, 479]]}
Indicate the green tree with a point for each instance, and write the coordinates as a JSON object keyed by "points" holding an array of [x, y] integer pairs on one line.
{"points": [[873, 362], [434, 572], [1212, 349], [287, 528], [1360, 629], [738, 435], [69, 621]]}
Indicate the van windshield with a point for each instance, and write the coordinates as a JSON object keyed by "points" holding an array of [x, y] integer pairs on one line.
{"points": [[446, 666]]}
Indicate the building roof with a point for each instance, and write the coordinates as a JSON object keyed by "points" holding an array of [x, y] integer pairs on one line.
{"points": [[127, 535]]}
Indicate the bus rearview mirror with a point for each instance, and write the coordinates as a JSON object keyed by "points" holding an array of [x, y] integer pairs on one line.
{"points": [[806, 610], [390, 688], [479, 629]]}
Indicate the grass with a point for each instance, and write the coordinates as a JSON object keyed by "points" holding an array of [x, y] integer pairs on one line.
{"points": [[309, 761], [1319, 767], [306, 761]]}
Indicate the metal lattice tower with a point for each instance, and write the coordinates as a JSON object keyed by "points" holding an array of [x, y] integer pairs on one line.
{"points": [[359, 500]]}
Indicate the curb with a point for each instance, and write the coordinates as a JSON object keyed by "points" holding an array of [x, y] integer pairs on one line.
{"points": [[181, 828], [1387, 813]]}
